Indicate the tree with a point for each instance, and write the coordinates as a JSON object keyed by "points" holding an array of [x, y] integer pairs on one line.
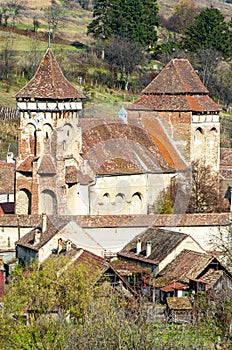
{"points": [[123, 56], [204, 194], [36, 23], [135, 22], [209, 31], [12, 9], [55, 18], [182, 17], [163, 204], [197, 191], [7, 63], [47, 294]]}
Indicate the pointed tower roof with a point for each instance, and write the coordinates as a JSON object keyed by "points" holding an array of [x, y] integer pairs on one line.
{"points": [[177, 77], [49, 82], [176, 88]]}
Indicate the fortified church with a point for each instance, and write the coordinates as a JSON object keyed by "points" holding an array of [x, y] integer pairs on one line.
{"points": [[80, 166]]}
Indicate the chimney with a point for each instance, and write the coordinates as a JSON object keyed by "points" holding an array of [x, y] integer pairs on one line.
{"points": [[37, 236], [60, 245], [10, 157], [44, 222], [148, 248], [68, 246], [138, 246]]}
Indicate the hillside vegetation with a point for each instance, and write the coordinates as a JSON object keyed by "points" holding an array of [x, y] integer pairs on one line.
{"points": [[23, 43]]}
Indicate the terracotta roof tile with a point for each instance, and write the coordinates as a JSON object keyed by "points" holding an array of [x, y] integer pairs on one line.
{"points": [[181, 103], [151, 220], [6, 177], [46, 165], [162, 243], [113, 148], [176, 88], [162, 141], [26, 165], [49, 82], [90, 259], [187, 265], [174, 285], [74, 175], [177, 77]]}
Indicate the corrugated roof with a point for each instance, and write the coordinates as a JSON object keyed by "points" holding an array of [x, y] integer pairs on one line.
{"points": [[49, 82]]}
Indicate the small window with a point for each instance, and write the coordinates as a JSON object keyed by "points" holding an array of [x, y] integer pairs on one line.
{"points": [[201, 287]]}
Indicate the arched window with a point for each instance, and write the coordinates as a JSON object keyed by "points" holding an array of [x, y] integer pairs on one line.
{"points": [[32, 137], [47, 130], [136, 203], [120, 198], [24, 202], [198, 144], [106, 198], [48, 202]]}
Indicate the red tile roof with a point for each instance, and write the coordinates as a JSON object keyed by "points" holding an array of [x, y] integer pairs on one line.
{"points": [[87, 258], [163, 143], [176, 88], [26, 165], [113, 148], [6, 177], [162, 243], [182, 103], [174, 285], [187, 265], [151, 220], [74, 175], [49, 82], [177, 77], [46, 165]]}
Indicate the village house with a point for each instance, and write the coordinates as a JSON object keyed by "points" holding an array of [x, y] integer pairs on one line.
{"points": [[107, 235], [196, 272], [156, 248]]}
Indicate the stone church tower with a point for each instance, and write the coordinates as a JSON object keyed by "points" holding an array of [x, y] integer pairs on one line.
{"points": [[181, 103], [110, 166], [48, 109]]}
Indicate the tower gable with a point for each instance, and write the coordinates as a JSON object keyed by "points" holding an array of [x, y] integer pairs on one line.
{"points": [[49, 82]]}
